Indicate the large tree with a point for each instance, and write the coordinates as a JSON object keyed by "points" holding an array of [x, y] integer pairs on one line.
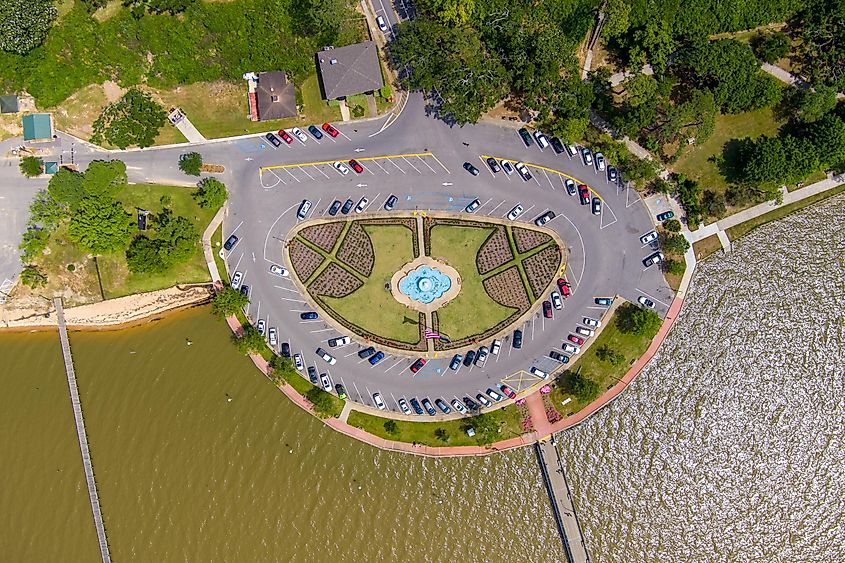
{"points": [[31, 166], [211, 193], [100, 225], [135, 119], [66, 187], [178, 238], [228, 302], [104, 178], [821, 27], [24, 24]]}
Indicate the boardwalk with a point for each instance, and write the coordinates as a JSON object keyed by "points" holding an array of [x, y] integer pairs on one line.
{"points": [[80, 434], [561, 499]]}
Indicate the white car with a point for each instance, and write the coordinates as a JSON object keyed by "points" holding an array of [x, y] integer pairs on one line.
{"points": [[277, 270], [304, 207], [236, 280], [516, 212], [494, 395], [299, 134], [458, 406], [326, 356], [645, 301], [403, 404], [556, 300], [261, 326], [587, 155], [362, 205], [653, 259], [340, 341], [473, 206], [571, 348], [273, 335], [538, 372], [600, 162], [591, 322], [495, 347], [572, 150], [584, 331], [382, 25], [523, 171], [297, 362], [507, 167], [542, 141], [649, 237], [325, 383], [378, 401], [483, 400], [341, 167], [570, 186]]}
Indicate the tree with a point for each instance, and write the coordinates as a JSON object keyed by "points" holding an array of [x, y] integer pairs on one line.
{"points": [[821, 49], [143, 256], [810, 105], [46, 212], [32, 277], [585, 388], [158, 6], [827, 135], [688, 193], [228, 302], [441, 434], [454, 13], [66, 187], [191, 163], [24, 24], [250, 341], [135, 119], [324, 405], [770, 46], [713, 204], [391, 427], [177, 236], [607, 354], [673, 244], [211, 193], [637, 320], [31, 166], [675, 267], [652, 44], [33, 243], [104, 178], [281, 369], [100, 225], [617, 17], [672, 225]]}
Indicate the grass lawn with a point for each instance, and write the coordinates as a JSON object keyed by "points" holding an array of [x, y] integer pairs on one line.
{"points": [[506, 418], [472, 311], [632, 346], [119, 281], [217, 244], [77, 286], [706, 247], [372, 307]]}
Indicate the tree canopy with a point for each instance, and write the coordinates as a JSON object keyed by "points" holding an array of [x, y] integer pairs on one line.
{"points": [[211, 193], [31, 166], [24, 24], [100, 225], [228, 302], [191, 163], [638, 320], [135, 119], [250, 341], [821, 28], [104, 178], [66, 187]]}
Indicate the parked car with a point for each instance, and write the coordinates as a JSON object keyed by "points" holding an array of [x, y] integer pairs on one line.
{"points": [[507, 391], [558, 357], [523, 171], [542, 141], [236, 279], [365, 353], [493, 395], [308, 316], [459, 406], [557, 302], [277, 270], [526, 137], [571, 150], [596, 206], [570, 186], [587, 156], [471, 405], [285, 137], [347, 206], [516, 212], [471, 169], [534, 370], [507, 167], [315, 132], [481, 358], [330, 130], [376, 358], [304, 207], [356, 166], [645, 301], [312, 375], [584, 331], [604, 301], [571, 348], [557, 146], [517, 338], [297, 362], [575, 339], [341, 167], [362, 205], [274, 140], [390, 203], [230, 242], [612, 174], [285, 350], [649, 237], [339, 341], [469, 358], [382, 25], [494, 166], [245, 290], [335, 207], [563, 286], [547, 309], [665, 216], [441, 404], [591, 322], [326, 356], [495, 347], [418, 365], [340, 390], [378, 401], [455, 364], [473, 206], [325, 383], [584, 194], [483, 400], [651, 259], [544, 218], [261, 326], [600, 164], [299, 134], [428, 408], [415, 404]]}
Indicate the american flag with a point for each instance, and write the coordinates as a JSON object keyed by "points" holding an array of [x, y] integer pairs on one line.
{"points": [[431, 334]]}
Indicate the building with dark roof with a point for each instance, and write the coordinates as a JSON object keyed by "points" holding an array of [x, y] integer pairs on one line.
{"points": [[273, 97], [350, 70], [9, 104]]}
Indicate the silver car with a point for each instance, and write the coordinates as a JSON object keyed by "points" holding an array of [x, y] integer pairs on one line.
{"points": [[299, 134], [304, 207], [516, 212], [236, 280]]}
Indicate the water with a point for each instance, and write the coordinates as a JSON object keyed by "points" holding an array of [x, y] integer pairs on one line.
{"points": [[729, 446]]}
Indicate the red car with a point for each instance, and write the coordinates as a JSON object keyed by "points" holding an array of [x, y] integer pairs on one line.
{"points": [[356, 166], [284, 135], [507, 391], [330, 130], [417, 366], [547, 309], [564, 288], [584, 194], [576, 339]]}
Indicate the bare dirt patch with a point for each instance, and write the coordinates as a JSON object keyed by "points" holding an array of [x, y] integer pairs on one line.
{"points": [[324, 236], [506, 288], [334, 281], [542, 268], [304, 260], [356, 250], [495, 252], [526, 239]]}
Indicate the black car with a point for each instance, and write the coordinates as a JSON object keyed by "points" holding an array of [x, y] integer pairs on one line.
{"points": [[316, 132], [526, 137], [415, 404], [245, 290], [340, 390], [428, 408], [390, 203], [596, 206], [273, 139], [312, 375], [558, 357], [469, 358], [517, 338], [456, 362], [471, 405], [470, 168], [366, 352], [556, 145], [494, 166], [285, 350], [335, 207], [308, 316], [347, 206], [230, 242], [612, 174], [441, 404]]}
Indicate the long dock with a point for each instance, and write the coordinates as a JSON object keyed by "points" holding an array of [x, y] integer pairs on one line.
{"points": [[561, 498], [80, 433]]}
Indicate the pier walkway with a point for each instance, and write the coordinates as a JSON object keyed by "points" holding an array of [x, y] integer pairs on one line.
{"points": [[80, 433], [561, 499]]}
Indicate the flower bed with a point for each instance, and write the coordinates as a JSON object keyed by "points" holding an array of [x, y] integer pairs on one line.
{"points": [[507, 288], [324, 236], [526, 239], [542, 268], [304, 260], [356, 250], [495, 251], [334, 281]]}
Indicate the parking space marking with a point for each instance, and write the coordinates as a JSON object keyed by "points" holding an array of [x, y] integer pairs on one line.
{"points": [[320, 330], [292, 176], [359, 159], [318, 169], [390, 160], [394, 365], [497, 207], [290, 299], [483, 204], [372, 201], [380, 166], [304, 172], [438, 162], [604, 208], [424, 162], [549, 179], [285, 289], [411, 165], [558, 172]]}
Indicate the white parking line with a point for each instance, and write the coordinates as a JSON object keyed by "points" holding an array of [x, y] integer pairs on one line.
{"points": [[549, 179], [360, 396], [372, 201], [440, 163], [304, 172], [321, 330], [393, 162], [291, 175], [313, 208], [380, 166], [394, 365], [317, 168], [236, 228], [424, 162], [483, 204], [411, 165], [495, 208]]}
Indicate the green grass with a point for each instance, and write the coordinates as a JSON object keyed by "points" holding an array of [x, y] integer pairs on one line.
{"points": [[706, 247], [472, 311], [632, 346], [78, 286], [119, 281], [743, 229], [372, 307], [507, 419]]}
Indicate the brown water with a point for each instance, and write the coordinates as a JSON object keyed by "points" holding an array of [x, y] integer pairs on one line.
{"points": [[186, 474]]}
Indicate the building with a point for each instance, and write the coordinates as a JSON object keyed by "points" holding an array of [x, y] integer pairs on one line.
{"points": [[271, 96], [9, 104], [38, 127], [347, 71]]}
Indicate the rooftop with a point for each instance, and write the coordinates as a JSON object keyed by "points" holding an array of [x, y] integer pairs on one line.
{"points": [[350, 70], [9, 104], [276, 96], [37, 127]]}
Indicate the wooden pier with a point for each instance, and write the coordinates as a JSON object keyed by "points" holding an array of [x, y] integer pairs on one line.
{"points": [[81, 435]]}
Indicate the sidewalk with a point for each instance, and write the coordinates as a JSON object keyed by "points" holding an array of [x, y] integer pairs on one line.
{"points": [[207, 249], [790, 79]]}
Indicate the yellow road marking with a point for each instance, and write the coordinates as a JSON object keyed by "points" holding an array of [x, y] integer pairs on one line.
{"points": [[552, 170], [361, 159]]}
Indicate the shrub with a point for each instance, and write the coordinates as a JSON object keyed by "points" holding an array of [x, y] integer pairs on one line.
{"points": [[675, 267], [250, 341], [390, 426], [674, 244], [323, 402], [135, 119], [585, 388], [31, 166], [637, 320], [211, 193], [672, 225], [770, 46], [32, 277], [228, 302], [191, 163], [441, 434]]}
